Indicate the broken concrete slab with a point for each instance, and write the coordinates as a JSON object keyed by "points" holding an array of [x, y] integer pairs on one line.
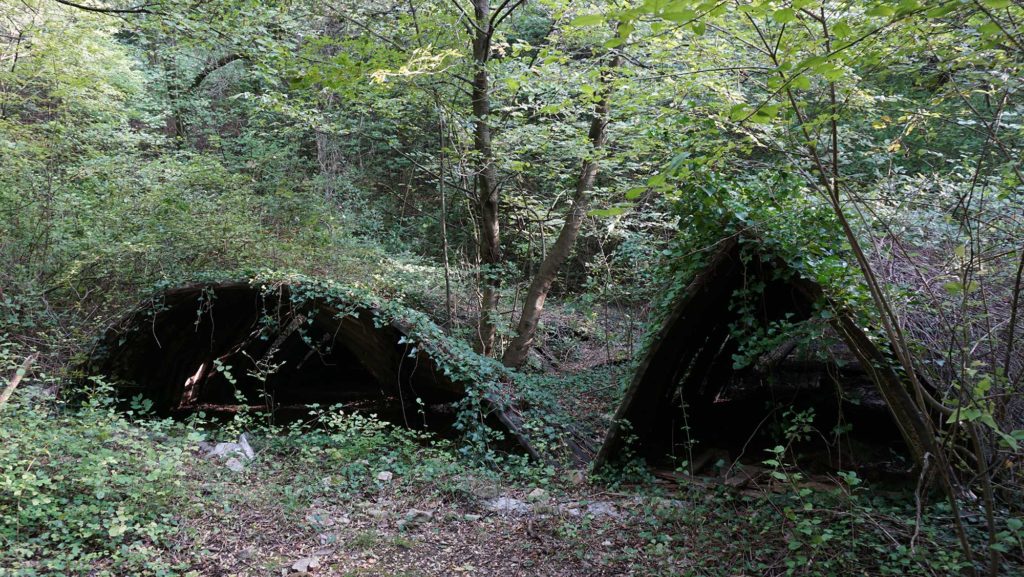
{"points": [[306, 564], [330, 345], [414, 518], [506, 506], [689, 373]]}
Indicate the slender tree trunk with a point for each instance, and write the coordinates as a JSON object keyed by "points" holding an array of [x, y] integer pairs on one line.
{"points": [[486, 181], [517, 351], [444, 218]]}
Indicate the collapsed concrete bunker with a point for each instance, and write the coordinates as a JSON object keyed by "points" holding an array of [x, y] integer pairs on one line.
{"points": [[689, 403], [278, 347]]}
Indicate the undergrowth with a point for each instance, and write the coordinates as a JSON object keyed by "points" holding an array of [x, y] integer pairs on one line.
{"points": [[89, 491]]}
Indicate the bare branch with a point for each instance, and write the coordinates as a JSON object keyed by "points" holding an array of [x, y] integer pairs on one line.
{"points": [[141, 9]]}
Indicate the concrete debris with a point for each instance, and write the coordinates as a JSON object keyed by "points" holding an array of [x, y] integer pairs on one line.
{"points": [[602, 509], [240, 450], [414, 518], [385, 476], [221, 450], [235, 465], [507, 506], [306, 564], [538, 495], [243, 444]]}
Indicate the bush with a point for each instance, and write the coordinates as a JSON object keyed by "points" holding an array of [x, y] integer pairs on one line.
{"points": [[87, 492]]}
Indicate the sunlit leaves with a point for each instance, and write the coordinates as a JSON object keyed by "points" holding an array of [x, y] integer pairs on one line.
{"points": [[784, 15], [679, 15], [607, 212], [588, 20], [880, 10], [800, 82], [635, 193], [422, 61], [942, 9], [841, 29]]}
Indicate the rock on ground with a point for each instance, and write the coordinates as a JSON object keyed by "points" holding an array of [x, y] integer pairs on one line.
{"points": [[507, 505]]}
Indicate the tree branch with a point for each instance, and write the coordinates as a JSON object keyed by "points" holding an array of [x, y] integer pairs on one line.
{"points": [[213, 67], [141, 9]]}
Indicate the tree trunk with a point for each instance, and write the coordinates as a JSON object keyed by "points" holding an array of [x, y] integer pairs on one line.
{"points": [[517, 351], [486, 181]]}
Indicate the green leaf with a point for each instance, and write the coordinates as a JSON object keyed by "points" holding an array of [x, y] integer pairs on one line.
{"points": [[606, 212], [996, 4], [812, 62], [635, 193], [881, 10], [966, 414], [765, 114], [1010, 440], [990, 29], [784, 15], [739, 111], [908, 6], [587, 20], [942, 9], [683, 15], [656, 180], [841, 29]]}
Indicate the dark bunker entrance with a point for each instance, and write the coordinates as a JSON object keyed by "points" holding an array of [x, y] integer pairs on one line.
{"points": [[229, 347], [688, 406]]}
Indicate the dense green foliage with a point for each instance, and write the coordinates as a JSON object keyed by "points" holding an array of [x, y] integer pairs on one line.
{"points": [[876, 147]]}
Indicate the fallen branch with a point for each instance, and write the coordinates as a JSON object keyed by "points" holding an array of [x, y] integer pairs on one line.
{"points": [[20, 374]]}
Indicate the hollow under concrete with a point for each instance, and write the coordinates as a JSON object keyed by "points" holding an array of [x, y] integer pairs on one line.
{"points": [[688, 400], [226, 347]]}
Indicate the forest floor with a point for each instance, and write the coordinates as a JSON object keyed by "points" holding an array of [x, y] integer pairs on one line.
{"points": [[459, 522], [452, 526], [95, 490], [289, 513]]}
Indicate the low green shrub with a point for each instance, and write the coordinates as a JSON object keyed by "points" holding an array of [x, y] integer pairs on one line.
{"points": [[88, 492]]}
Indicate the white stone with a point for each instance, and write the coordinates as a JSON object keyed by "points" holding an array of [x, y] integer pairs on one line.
{"points": [[225, 450], [507, 505], [414, 518], [243, 444], [602, 509], [305, 564]]}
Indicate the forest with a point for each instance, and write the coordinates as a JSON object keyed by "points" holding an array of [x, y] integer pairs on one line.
{"points": [[511, 287]]}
